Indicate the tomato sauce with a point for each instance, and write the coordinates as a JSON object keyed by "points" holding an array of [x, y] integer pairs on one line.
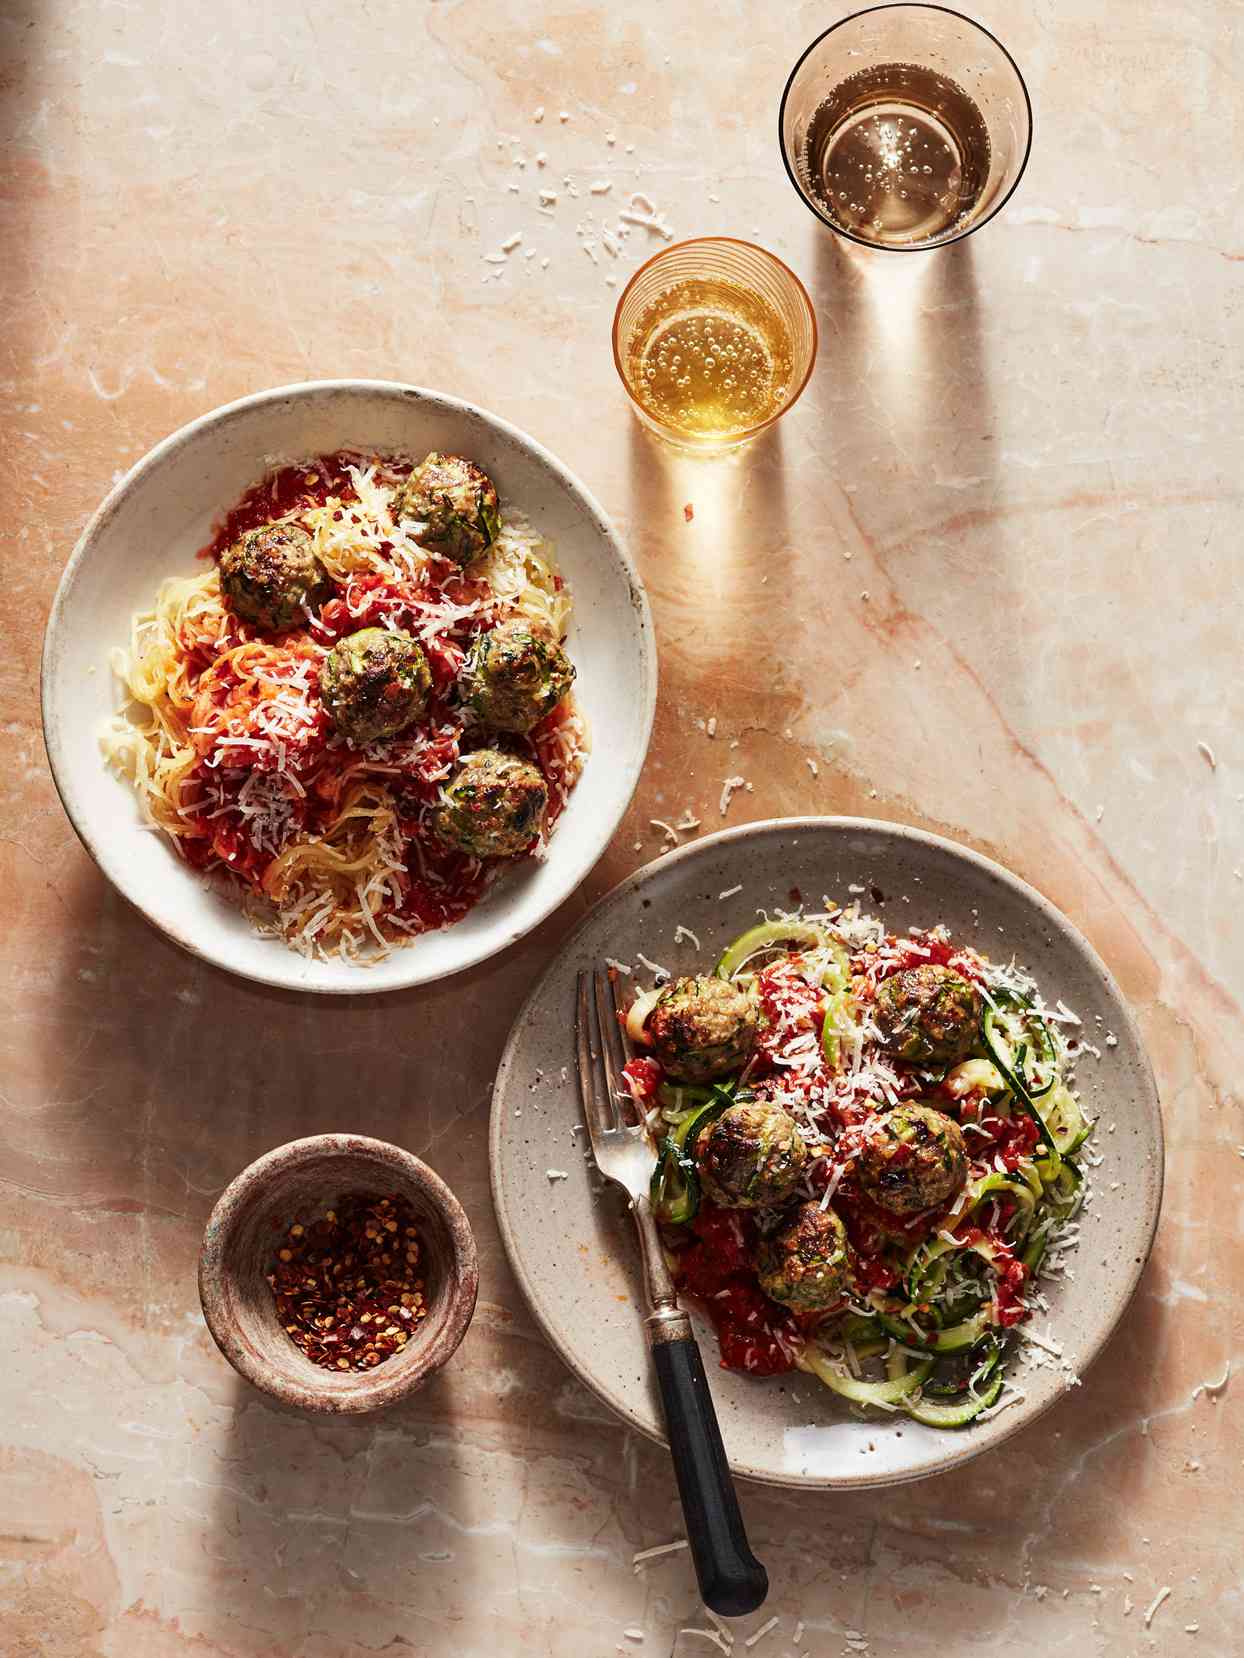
{"points": [[754, 1334], [282, 492], [643, 1077], [437, 885]]}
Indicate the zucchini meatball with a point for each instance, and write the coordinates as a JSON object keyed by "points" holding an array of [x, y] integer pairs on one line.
{"points": [[374, 683], [493, 806], [752, 1156], [804, 1264], [271, 576], [702, 1028], [929, 1014], [515, 675], [457, 503], [913, 1159]]}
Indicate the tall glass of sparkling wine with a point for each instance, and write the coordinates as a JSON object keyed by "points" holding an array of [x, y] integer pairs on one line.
{"points": [[905, 127], [714, 339]]}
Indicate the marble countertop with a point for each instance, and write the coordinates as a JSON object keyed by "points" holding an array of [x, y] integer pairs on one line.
{"points": [[1005, 508]]}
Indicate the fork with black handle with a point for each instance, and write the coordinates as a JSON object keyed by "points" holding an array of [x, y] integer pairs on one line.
{"points": [[732, 1581]]}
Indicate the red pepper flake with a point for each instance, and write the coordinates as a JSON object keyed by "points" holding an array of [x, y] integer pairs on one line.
{"points": [[342, 1294], [688, 512]]}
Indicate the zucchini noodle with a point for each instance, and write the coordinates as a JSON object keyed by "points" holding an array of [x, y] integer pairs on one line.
{"points": [[935, 1251], [223, 736]]}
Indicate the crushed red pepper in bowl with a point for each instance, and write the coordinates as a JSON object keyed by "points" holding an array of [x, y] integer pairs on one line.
{"points": [[349, 1287], [333, 1248]]}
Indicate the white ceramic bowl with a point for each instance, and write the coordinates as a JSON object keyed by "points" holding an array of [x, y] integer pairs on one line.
{"points": [[158, 516]]}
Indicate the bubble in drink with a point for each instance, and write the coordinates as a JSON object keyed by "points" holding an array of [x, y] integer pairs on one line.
{"points": [[871, 125]]}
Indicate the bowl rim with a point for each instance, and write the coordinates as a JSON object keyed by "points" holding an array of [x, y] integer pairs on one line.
{"points": [[283, 971], [377, 1389], [633, 884]]}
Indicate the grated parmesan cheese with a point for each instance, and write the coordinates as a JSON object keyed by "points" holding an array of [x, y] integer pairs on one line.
{"points": [[729, 789], [764, 1629], [1162, 1594]]}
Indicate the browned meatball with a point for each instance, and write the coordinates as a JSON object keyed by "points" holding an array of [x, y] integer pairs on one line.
{"points": [[752, 1156], [913, 1159], [272, 577], [703, 1028], [929, 1014]]}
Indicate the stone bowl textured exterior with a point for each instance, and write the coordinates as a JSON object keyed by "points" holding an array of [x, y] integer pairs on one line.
{"points": [[573, 1249], [299, 1181]]}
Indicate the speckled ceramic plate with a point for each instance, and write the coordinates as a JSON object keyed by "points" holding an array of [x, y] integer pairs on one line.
{"points": [[575, 1253], [151, 526]]}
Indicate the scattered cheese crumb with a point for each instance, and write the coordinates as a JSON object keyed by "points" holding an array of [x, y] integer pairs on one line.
{"points": [[538, 116], [600, 187], [707, 1635], [637, 1560], [652, 966], [564, 115], [681, 932], [813, 767], [729, 789], [556, 1174], [711, 727], [730, 892], [511, 242], [762, 1631], [1208, 754], [1213, 1389], [548, 198], [1157, 1600]]}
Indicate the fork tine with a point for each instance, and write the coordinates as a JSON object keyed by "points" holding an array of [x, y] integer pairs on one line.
{"points": [[597, 1113], [610, 1037]]}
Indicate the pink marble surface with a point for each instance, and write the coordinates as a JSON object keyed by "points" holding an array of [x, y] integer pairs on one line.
{"points": [[983, 575]]}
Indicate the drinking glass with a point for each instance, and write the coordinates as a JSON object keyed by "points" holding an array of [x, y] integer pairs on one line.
{"points": [[905, 127], [714, 339]]}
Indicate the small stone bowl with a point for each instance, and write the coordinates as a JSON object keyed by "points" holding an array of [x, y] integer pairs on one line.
{"points": [[299, 1181]]}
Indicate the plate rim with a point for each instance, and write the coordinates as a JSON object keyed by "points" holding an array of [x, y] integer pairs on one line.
{"points": [[53, 660], [633, 883]]}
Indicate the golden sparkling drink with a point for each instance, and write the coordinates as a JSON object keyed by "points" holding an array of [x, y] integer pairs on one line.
{"points": [[708, 358], [897, 154]]}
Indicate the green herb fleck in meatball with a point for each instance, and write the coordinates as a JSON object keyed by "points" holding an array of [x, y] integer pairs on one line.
{"points": [[913, 1159], [929, 1014], [456, 502], [271, 576], [752, 1156], [515, 675], [703, 1028], [493, 806], [374, 683], [804, 1264]]}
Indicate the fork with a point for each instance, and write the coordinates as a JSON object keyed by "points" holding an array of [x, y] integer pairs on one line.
{"points": [[732, 1581]]}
